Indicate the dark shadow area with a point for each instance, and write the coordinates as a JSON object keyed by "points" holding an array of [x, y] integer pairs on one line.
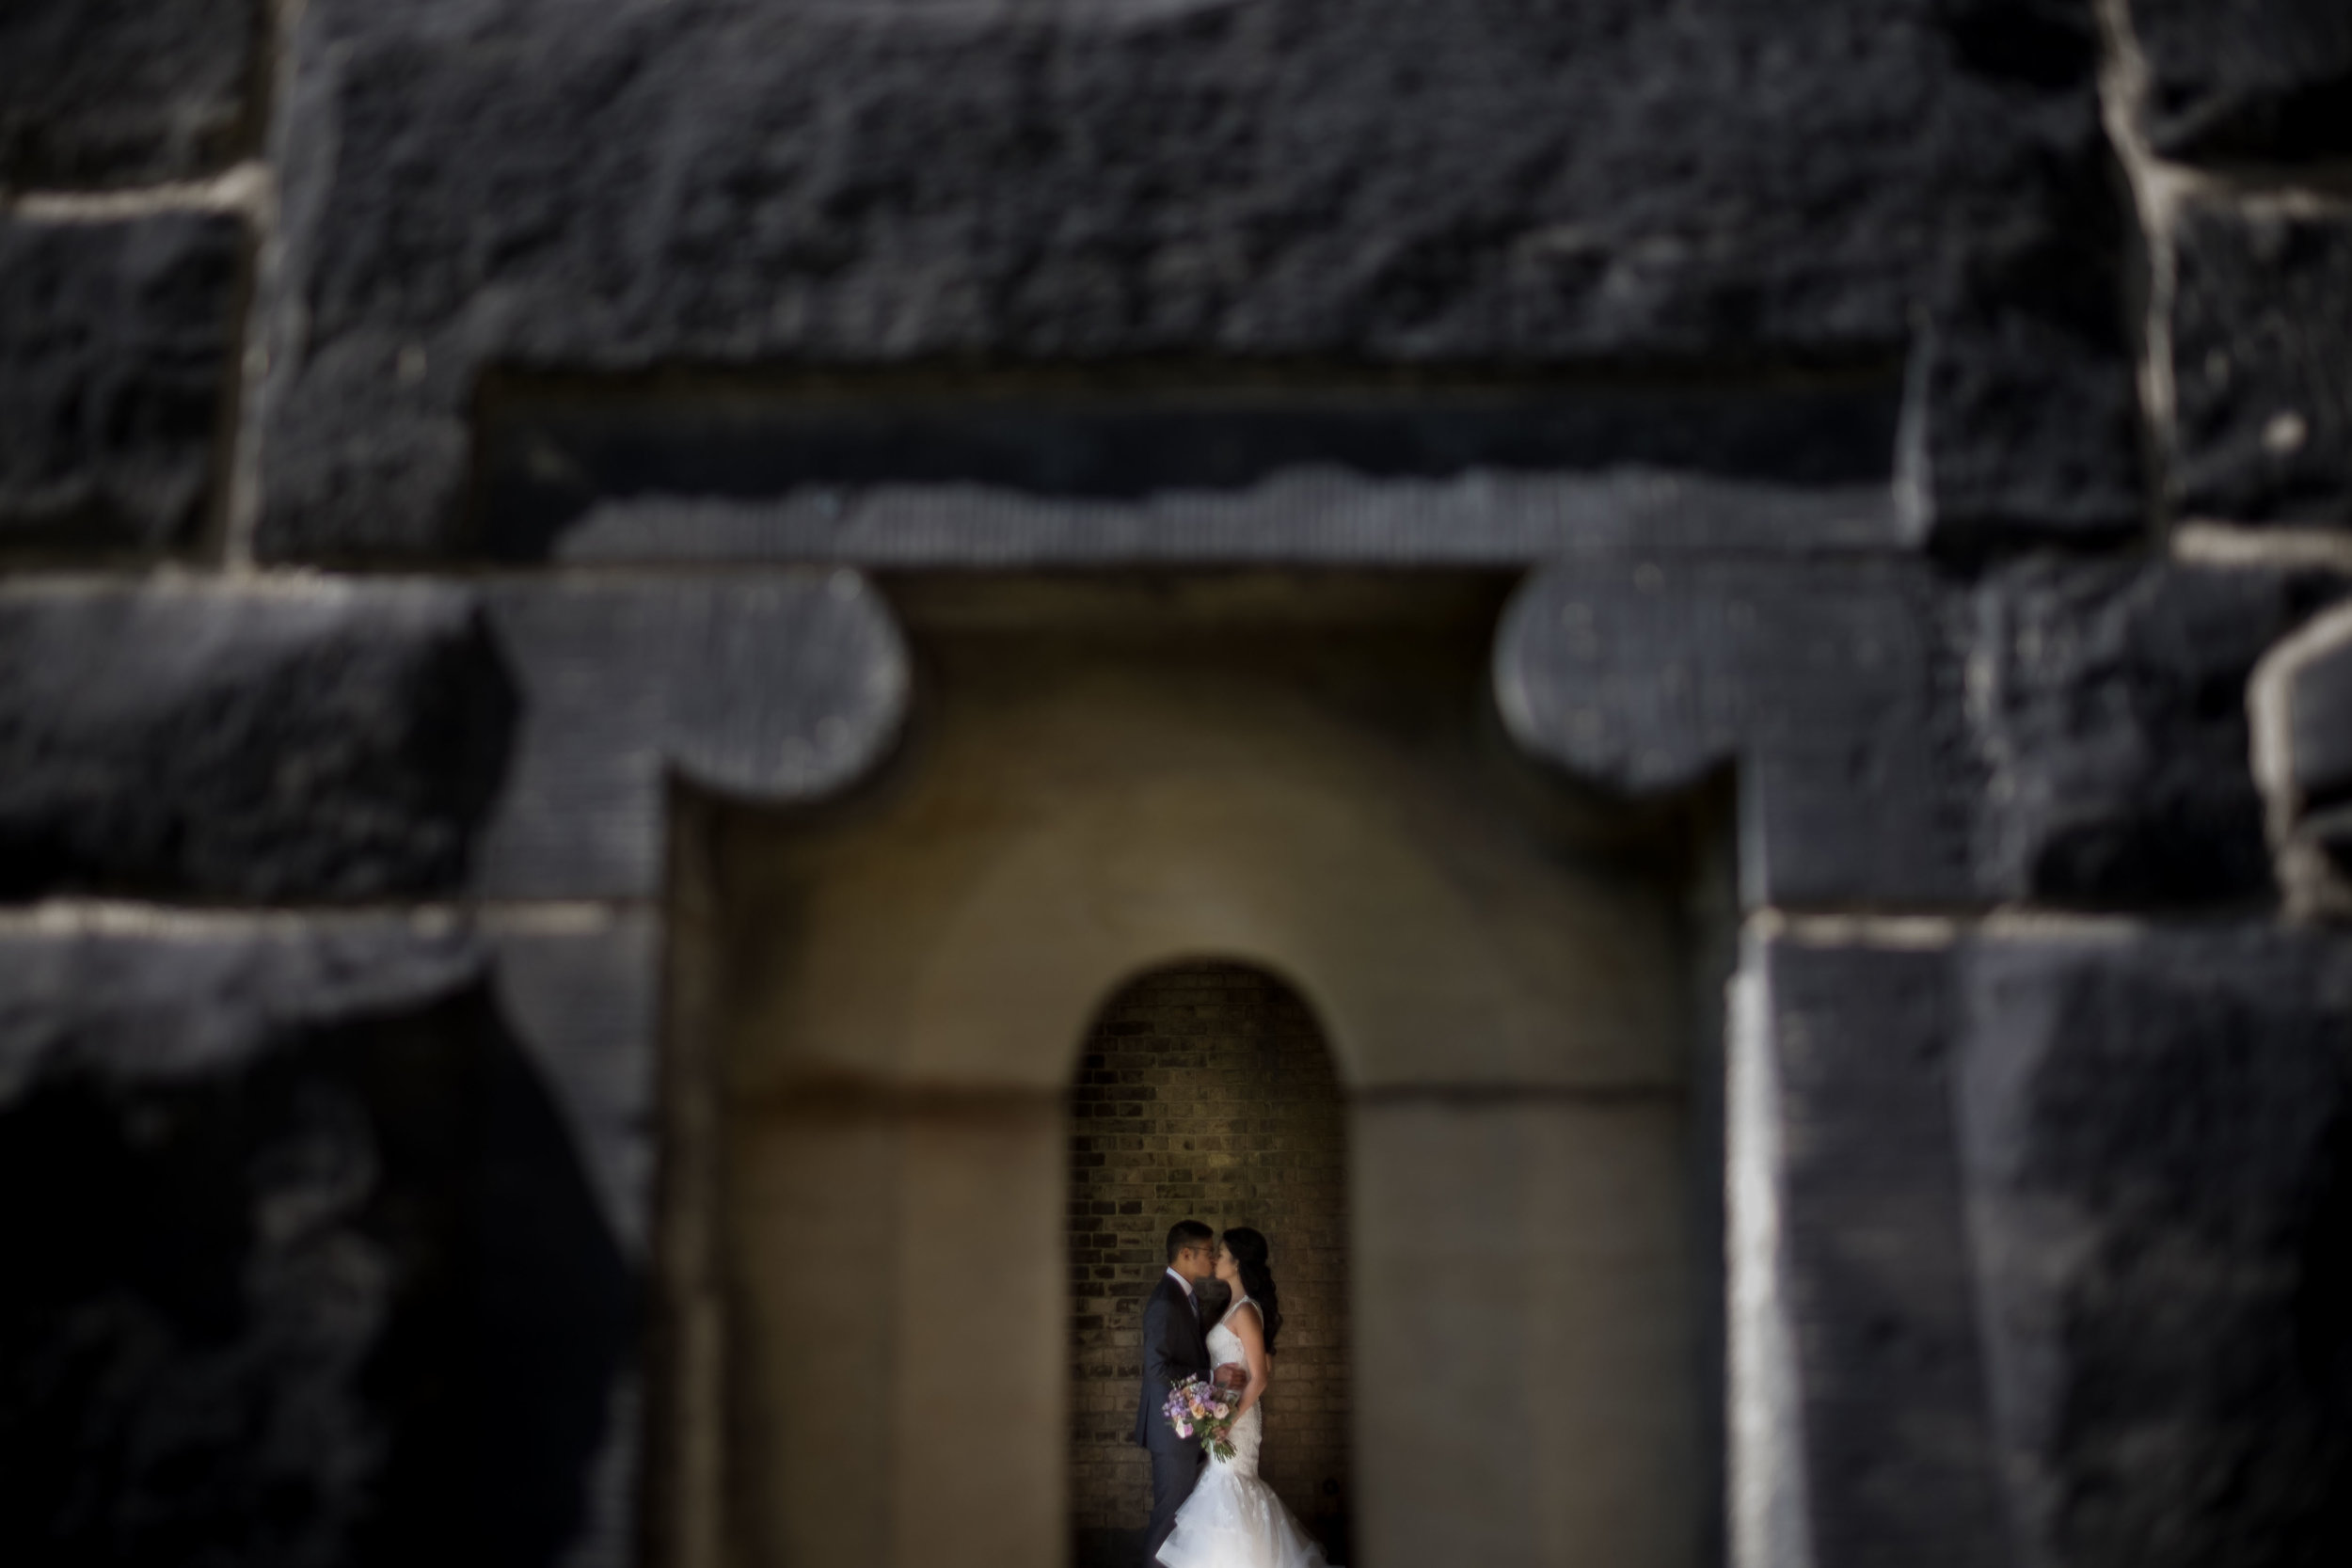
{"points": [[547, 450], [345, 1299], [154, 753]]}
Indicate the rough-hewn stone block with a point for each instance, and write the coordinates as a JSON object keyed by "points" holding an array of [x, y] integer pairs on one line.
{"points": [[2261, 358], [2059, 1222], [2256, 79], [114, 92], [118, 345], [2159, 1186], [332, 742], [1100, 182], [305, 1266], [2108, 709]]}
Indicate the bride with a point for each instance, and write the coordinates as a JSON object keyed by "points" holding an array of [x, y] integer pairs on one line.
{"points": [[1232, 1519]]}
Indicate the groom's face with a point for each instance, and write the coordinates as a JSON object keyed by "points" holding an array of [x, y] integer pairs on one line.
{"points": [[1196, 1262]]}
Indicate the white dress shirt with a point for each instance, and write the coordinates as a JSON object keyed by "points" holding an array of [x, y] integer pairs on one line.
{"points": [[1188, 1295]]}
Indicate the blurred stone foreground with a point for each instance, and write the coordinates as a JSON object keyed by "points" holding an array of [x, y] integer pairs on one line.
{"points": [[625, 619]]}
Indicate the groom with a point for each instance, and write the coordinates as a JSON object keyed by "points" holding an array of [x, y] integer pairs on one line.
{"points": [[1174, 1348]]}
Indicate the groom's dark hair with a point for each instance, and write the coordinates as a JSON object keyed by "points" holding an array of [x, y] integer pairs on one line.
{"points": [[1187, 1233]]}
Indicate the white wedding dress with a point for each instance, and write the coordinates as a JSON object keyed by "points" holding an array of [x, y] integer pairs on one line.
{"points": [[1232, 1519]]}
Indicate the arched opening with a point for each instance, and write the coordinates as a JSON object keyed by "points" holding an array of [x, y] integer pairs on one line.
{"points": [[878, 1009], [1205, 1091]]}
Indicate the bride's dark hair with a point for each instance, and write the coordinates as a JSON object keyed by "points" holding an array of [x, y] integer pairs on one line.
{"points": [[1257, 1280]]}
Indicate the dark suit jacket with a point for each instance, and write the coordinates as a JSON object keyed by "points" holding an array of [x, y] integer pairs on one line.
{"points": [[1174, 1348]]}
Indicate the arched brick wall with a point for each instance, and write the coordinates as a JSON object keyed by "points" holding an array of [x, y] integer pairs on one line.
{"points": [[1206, 1092]]}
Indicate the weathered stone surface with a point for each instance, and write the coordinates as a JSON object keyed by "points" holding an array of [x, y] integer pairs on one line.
{"points": [[2160, 1187], [2257, 79], [303, 1266], [1104, 180], [1848, 1101], [319, 742], [2058, 732], [2262, 357], [118, 344], [2107, 703], [112, 92]]}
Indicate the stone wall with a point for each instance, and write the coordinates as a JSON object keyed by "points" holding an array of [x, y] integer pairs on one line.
{"points": [[354, 646], [1206, 1092]]}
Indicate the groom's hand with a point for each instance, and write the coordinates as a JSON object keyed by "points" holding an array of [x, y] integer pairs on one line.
{"points": [[1230, 1376]]}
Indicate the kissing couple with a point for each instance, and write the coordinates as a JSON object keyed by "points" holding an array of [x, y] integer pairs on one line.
{"points": [[1214, 1513]]}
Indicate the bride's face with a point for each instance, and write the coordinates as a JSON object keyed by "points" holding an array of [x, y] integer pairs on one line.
{"points": [[1227, 1270]]}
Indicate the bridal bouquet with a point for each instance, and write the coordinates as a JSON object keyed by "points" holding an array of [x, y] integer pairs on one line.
{"points": [[1198, 1405]]}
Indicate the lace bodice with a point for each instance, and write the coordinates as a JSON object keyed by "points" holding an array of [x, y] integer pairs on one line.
{"points": [[1225, 1347]]}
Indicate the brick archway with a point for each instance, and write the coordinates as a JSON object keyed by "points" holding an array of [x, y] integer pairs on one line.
{"points": [[1205, 1091]]}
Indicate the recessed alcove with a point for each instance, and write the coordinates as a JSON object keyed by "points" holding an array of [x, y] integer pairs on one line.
{"points": [[879, 1006], [1205, 1091]]}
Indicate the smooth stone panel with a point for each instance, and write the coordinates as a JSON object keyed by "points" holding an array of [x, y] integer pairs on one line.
{"points": [[896, 1392], [1526, 1309], [1884, 1376]]}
